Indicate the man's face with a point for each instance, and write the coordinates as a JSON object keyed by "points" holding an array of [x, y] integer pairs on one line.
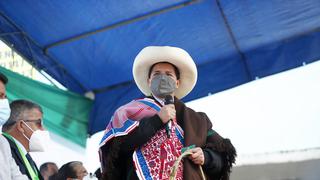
{"points": [[81, 171], [33, 118], [163, 68], [52, 169], [2, 90]]}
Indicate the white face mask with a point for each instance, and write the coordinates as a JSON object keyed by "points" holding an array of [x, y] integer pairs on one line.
{"points": [[4, 111], [87, 177], [38, 139]]}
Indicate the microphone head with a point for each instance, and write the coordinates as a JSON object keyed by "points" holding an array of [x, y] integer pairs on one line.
{"points": [[168, 99]]}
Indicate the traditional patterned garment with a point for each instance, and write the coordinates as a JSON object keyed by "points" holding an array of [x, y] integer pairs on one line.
{"points": [[127, 117], [155, 158]]}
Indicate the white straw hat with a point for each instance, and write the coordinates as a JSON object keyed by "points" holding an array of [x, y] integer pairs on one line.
{"points": [[154, 54]]}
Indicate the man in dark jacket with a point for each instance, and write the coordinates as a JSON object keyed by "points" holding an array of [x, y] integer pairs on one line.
{"points": [[146, 136], [25, 133]]}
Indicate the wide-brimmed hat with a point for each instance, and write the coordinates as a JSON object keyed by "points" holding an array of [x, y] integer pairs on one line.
{"points": [[154, 54]]}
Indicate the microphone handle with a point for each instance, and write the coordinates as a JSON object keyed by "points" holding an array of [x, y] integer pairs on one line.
{"points": [[168, 100], [168, 128]]}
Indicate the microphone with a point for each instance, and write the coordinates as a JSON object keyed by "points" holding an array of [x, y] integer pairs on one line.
{"points": [[168, 99]]}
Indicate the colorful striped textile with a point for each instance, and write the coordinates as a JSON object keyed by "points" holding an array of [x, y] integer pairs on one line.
{"points": [[127, 117]]}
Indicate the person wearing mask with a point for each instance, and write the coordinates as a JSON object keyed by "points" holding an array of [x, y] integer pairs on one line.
{"points": [[145, 137], [48, 169], [25, 133], [8, 167]]}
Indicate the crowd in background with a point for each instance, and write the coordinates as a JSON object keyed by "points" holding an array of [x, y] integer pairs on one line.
{"points": [[22, 132]]}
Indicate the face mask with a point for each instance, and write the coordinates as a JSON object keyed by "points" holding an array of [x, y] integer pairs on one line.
{"points": [[87, 177], [4, 111], [162, 85], [38, 140]]}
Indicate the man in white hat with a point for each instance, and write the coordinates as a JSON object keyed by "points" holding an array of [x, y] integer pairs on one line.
{"points": [[146, 136]]}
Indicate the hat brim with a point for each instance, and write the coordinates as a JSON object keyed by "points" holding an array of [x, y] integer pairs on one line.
{"points": [[154, 54]]}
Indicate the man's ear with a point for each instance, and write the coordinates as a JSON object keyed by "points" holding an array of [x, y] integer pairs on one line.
{"points": [[178, 83], [149, 82], [19, 125]]}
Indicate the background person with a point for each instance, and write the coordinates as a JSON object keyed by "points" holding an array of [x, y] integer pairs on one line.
{"points": [[70, 171], [25, 133], [8, 167], [48, 169]]}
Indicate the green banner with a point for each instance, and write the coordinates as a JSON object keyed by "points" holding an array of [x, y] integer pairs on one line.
{"points": [[65, 113]]}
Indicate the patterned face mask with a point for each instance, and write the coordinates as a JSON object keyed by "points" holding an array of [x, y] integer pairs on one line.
{"points": [[162, 85]]}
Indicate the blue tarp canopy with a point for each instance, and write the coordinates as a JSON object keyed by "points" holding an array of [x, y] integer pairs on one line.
{"points": [[91, 45]]}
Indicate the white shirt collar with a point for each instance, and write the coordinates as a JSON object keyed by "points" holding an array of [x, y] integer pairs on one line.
{"points": [[161, 101], [20, 146]]}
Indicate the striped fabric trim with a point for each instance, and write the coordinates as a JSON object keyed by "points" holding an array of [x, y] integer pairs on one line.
{"points": [[150, 104], [128, 126], [179, 135], [141, 165]]}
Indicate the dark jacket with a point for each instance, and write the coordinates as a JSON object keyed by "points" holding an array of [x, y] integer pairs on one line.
{"points": [[19, 161]]}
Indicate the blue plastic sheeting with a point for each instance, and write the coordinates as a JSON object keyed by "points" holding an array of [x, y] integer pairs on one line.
{"points": [[91, 45]]}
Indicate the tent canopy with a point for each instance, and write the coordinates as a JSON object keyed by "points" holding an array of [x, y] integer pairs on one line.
{"points": [[91, 45]]}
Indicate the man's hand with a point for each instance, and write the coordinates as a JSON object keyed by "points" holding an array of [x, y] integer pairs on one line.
{"points": [[197, 156], [167, 112]]}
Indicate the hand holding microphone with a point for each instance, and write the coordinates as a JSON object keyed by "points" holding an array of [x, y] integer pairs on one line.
{"points": [[167, 113]]}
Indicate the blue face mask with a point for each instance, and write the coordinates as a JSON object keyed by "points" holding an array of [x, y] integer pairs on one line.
{"points": [[4, 111], [162, 85]]}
